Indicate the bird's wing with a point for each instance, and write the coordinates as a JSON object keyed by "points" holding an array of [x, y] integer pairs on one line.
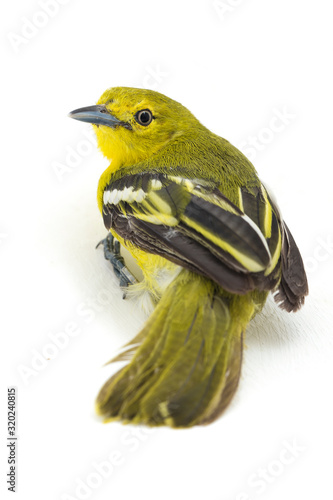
{"points": [[191, 223], [293, 286]]}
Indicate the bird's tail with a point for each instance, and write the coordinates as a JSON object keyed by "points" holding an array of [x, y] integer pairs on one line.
{"points": [[186, 367]]}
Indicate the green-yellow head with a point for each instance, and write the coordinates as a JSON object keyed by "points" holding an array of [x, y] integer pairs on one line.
{"points": [[132, 124]]}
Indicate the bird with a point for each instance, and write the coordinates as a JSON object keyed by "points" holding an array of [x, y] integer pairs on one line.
{"points": [[211, 242]]}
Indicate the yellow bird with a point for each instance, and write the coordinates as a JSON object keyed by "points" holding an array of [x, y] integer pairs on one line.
{"points": [[211, 244]]}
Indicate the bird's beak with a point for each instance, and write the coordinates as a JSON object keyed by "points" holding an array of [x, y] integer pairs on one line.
{"points": [[99, 115]]}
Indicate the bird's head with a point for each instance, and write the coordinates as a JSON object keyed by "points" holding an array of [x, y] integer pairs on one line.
{"points": [[132, 124]]}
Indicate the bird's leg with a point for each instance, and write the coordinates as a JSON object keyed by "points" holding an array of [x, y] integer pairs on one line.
{"points": [[112, 253]]}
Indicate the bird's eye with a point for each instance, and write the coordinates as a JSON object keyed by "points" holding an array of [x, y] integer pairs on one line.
{"points": [[144, 117]]}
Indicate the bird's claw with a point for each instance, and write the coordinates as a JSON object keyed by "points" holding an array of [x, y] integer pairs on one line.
{"points": [[112, 253]]}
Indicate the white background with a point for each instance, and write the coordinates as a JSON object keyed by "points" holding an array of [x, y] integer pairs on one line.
{"points": [[236, 65]]}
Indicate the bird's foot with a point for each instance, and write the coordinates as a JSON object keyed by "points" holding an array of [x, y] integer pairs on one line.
{"points": [[112, 253]]}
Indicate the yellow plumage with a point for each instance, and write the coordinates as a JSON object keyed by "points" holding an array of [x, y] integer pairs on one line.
{"points": [[211, 244]]}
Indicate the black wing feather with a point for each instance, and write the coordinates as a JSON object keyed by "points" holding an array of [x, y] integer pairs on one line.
{"points": [[294, 285], [183, 250], [198, 213]]}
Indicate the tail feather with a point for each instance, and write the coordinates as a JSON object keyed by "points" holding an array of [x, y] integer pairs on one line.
{"points": [[187, 367], [228, 381]]}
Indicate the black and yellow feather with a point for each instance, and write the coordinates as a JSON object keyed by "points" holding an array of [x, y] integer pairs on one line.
{"points": [[191, 223]]}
